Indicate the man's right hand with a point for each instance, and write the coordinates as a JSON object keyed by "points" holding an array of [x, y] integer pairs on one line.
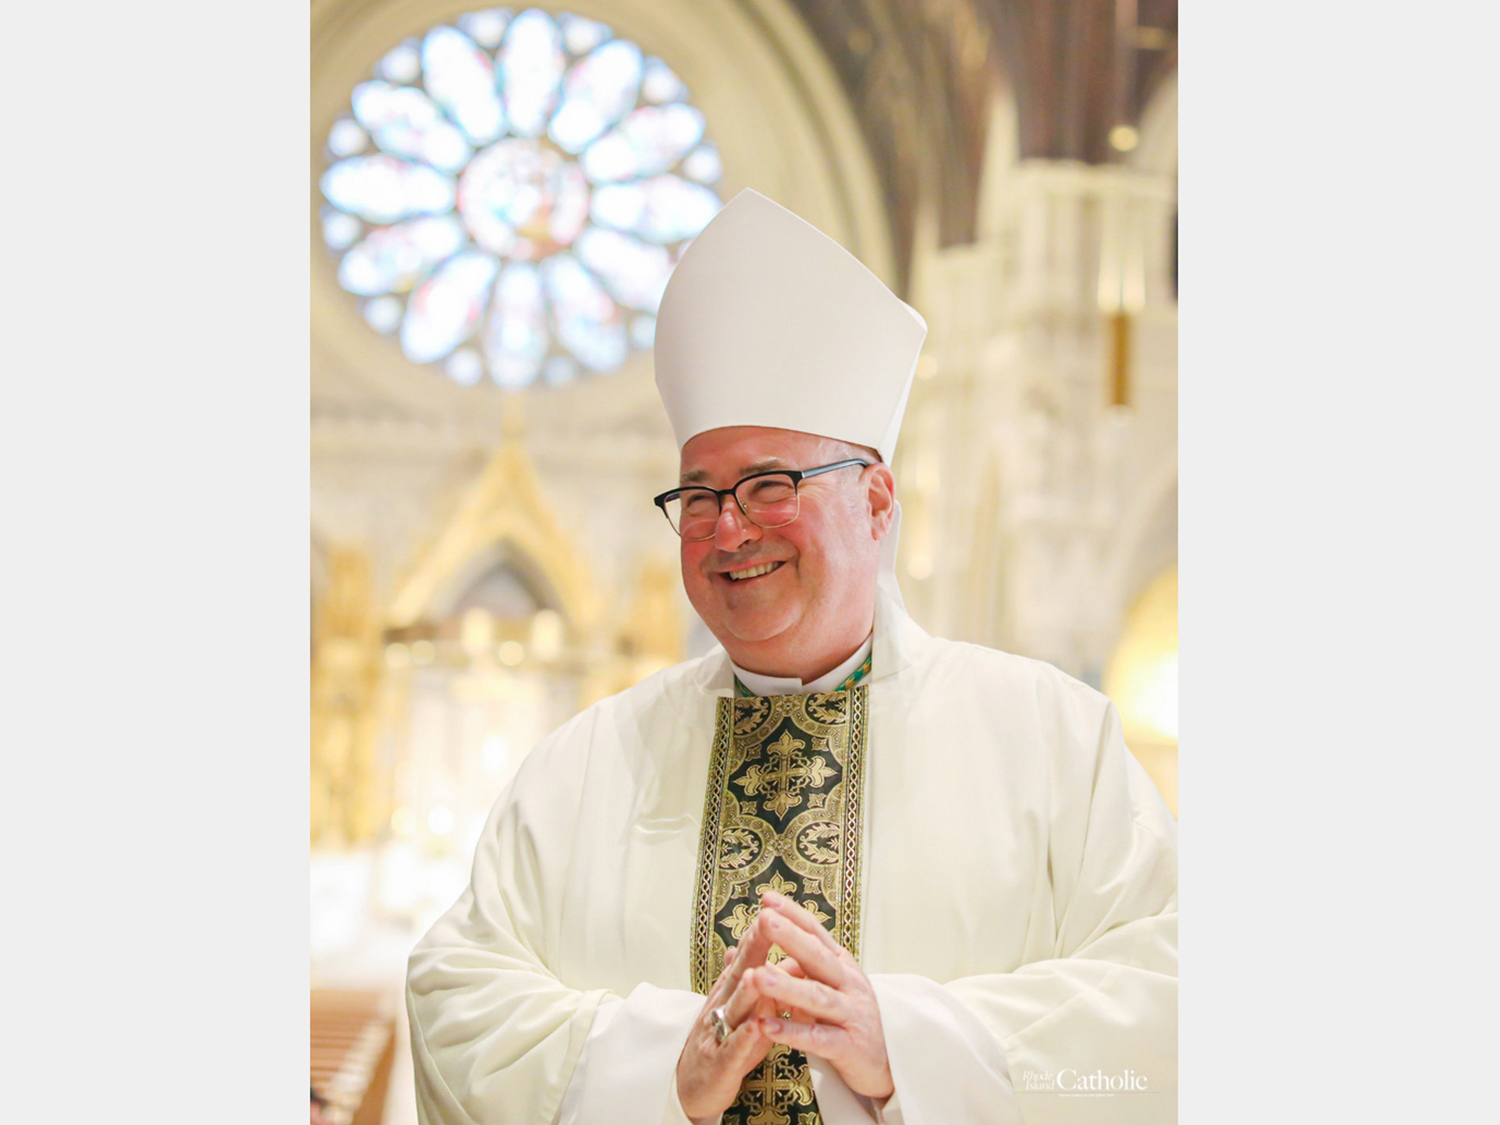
{"points": [[709, 1072]]}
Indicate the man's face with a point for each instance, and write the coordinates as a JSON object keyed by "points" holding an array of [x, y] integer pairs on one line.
{"points": [[820, 589]]}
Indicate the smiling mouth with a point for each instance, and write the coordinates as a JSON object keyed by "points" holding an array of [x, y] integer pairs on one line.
{"points": [[751, 572]]}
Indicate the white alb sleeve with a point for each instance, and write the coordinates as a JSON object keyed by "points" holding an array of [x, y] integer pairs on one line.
{"points": [[627, 1070]]}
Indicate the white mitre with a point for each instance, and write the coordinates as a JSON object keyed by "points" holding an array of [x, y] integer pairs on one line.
{"points": [[767, 321]]}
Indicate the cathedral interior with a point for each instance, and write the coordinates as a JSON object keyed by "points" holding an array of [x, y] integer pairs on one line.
{"points": [[497, 199]]}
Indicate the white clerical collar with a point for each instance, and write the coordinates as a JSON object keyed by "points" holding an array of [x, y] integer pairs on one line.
{"points": [[790, 685]]}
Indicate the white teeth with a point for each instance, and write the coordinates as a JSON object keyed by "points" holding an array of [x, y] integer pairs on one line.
{"points": [[753, 572]]}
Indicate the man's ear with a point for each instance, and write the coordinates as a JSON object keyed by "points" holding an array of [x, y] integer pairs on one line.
{"points": [[881, 498]]}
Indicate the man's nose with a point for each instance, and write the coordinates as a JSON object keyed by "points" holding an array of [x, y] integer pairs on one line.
{"points": [[733, 530]]}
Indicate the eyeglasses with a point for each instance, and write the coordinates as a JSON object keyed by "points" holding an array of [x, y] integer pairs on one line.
{"points": [[768, 499]]}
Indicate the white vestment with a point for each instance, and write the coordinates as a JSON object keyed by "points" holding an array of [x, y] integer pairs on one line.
{"points": [[1019, 905]]}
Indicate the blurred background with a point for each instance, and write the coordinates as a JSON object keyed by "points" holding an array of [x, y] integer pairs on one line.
{"points": [[498, 197]]}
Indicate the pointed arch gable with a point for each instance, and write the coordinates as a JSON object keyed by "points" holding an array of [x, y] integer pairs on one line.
{"points": [[503, 517]]}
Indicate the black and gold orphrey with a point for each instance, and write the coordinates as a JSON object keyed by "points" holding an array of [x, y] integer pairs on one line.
{"points": [[783, 812]]}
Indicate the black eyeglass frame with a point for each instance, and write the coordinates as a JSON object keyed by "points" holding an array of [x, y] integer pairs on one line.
{"points": [[797, 475]]}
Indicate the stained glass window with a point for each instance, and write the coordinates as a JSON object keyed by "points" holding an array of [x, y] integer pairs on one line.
{"points": [[508, 195]]}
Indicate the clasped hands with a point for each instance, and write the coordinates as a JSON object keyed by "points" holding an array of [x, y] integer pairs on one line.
{"points": [[828, 997]]}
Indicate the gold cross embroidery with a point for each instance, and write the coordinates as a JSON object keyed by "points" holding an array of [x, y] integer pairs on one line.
{"points": [[740, 920], [778, 885], [811, 906], [774, 1087], [790, 773]]}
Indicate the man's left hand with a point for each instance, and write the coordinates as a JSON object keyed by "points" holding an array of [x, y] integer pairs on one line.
{"points": [[835, 1015]]}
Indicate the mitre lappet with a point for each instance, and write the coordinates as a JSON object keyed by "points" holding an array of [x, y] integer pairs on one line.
{"points": [[767, 321]]}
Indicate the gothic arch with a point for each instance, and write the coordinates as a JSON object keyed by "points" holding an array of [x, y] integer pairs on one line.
{"points": [[503, 516]]}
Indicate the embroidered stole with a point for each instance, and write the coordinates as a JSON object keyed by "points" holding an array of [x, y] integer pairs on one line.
{"points": [[783, 812]]}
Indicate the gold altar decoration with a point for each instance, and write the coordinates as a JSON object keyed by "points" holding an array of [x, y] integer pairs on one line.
{"points": [[349, 790], [649, 636], [506, 505]]}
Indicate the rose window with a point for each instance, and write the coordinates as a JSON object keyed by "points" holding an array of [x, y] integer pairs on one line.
{"points": [[509, 195]]}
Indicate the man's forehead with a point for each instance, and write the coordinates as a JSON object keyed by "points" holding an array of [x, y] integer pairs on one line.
{"points": [[740, 450]]}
